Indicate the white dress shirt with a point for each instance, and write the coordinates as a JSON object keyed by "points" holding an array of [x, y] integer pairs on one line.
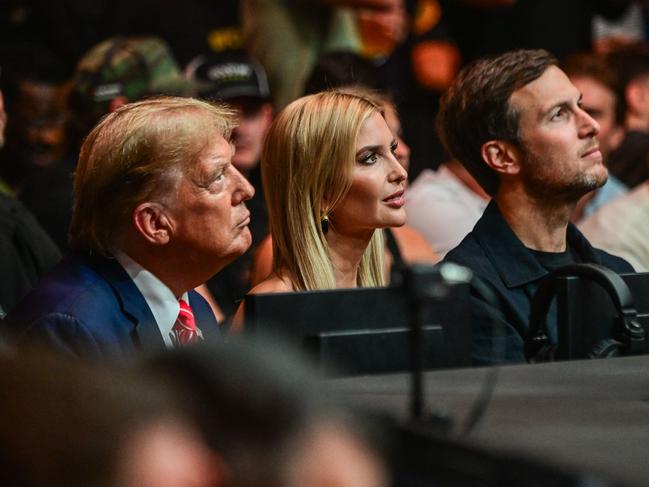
{"points": [[162, 302]]}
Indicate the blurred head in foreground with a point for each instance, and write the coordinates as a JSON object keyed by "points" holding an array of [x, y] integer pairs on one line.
{"points": [[71, 424], [263, 413]]}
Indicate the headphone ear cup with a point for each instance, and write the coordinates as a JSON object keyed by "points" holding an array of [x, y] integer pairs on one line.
{"points": [[632, 335], [628, 335], [606, 348], [539, 348]]}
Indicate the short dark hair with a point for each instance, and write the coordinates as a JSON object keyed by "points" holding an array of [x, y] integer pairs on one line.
{"points": [[476, 108], [597, 67]]}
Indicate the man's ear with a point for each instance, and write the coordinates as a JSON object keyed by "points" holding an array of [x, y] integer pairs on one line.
{"points": [[502, 157], [152, 223]]}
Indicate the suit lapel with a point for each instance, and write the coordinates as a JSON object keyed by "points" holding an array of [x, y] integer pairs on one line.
{"points": [[145, 332], [205, 319]]}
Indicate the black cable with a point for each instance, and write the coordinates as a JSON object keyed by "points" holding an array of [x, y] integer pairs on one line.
{"points": [[481, 404], [447, 275]]}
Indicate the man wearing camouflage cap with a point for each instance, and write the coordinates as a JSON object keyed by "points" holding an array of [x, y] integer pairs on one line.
{"points": [[121, 70]]}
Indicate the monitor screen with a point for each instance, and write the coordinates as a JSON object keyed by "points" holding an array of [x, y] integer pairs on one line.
{"points": [[367, 330]]}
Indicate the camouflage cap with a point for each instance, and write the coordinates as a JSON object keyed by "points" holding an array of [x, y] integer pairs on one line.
{"points": [[132, 67]]}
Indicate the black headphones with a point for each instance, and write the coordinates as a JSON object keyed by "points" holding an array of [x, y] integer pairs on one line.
{"points": [[628, 335]]}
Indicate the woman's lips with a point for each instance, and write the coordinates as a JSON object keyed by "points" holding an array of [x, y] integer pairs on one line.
{"points": [[395, 200]]}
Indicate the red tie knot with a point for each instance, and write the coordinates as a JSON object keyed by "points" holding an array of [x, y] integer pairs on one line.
{"points": [[185, 326]]}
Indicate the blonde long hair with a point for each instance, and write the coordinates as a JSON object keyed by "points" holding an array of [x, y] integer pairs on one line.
{"points": [[307, 165]]}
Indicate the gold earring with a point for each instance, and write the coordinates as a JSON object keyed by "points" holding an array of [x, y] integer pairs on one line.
{"points": [[324, 224]]}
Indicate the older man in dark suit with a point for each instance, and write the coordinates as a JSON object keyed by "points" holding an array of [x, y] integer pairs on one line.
{"points": [[159, 209]]}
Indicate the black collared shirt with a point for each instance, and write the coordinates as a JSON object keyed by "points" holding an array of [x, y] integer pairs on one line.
{"points": [[496, 256]]}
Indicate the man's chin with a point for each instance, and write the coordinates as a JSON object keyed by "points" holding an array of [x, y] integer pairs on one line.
{"points": [[591, 183], [236, 250], [242, 243], [600, 177]]}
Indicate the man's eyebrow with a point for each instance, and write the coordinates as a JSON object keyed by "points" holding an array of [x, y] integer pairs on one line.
{"points": [[563, 103], [205, 174], [219, 165]]}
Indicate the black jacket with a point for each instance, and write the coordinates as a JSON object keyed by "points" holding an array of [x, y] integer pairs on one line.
{"points": [[500, 260]]}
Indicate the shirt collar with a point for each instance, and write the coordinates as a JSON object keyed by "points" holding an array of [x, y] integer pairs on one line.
{"points": [[160, 299], [515, 264]]}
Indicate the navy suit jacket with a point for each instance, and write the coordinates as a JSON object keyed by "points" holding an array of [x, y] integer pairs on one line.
{"points": [[89, 307]]}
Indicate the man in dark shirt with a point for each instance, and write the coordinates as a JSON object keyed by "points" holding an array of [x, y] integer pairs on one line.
{"points": [[517, 124]]}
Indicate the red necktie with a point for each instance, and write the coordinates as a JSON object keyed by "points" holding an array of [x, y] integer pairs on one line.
{"points": [[184, 328]]}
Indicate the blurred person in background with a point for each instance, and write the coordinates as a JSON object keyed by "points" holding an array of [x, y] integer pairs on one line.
{"points": [[444, 205], [417, 58], [35, 92], [38, 162], [26, 252], [630, 161], [599, 87], [289, 37], [620, 227]]}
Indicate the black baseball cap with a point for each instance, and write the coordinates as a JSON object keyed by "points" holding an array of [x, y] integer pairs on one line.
{"points": [[229, 75]]}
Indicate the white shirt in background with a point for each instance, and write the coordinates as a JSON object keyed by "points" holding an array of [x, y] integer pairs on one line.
{"points": [[442, 208]]}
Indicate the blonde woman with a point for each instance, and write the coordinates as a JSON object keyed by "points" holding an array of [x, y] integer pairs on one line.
{"points": [[332, 179], [411, 247]]}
